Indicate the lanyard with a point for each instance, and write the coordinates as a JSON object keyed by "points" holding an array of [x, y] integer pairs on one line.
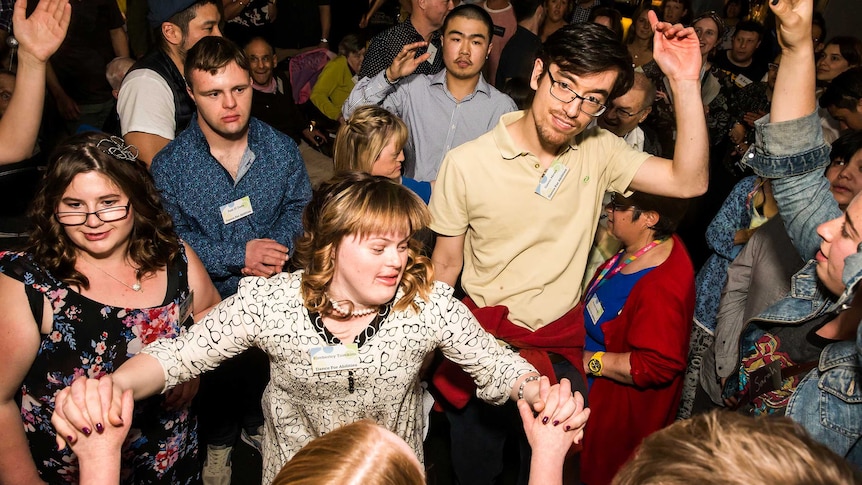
{"points": [[604, 275]]}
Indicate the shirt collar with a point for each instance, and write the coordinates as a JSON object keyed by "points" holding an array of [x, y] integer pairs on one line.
{"points": [[482, 86], [508, 150]]}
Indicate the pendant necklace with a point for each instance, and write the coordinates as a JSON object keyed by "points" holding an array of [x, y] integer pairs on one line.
{"points": [[135, 287]]}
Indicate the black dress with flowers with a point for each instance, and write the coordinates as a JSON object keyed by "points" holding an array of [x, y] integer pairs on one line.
{"points": [[92, 339]]}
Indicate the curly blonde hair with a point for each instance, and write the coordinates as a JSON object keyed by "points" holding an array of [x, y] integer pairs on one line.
{"points": [[362, 138], [359, 204]]}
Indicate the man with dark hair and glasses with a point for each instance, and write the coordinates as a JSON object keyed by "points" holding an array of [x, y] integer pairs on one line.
{"points": [[517, 209]]}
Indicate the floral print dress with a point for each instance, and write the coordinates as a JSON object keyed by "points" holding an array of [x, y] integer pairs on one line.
{"points": [[91, 339]]}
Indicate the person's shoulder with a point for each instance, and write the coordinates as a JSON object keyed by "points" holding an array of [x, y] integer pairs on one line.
{"points": [[269, 138], [284, 285]]}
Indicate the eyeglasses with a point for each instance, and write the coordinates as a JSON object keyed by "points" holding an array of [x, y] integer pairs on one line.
{"points": [[618, 206], [624, 113], [110, 214], [563, 93], [773, 66]]}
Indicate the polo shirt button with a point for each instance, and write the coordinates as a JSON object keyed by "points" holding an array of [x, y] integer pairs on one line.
{"points": [[536, 165]]}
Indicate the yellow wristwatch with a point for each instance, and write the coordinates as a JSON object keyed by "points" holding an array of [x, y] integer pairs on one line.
{"points": [[595, 364]]}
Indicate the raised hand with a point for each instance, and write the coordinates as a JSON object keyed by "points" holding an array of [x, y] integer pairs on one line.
{"points": [[41, 34], [676, 49], [793, 23], [405, 63]]}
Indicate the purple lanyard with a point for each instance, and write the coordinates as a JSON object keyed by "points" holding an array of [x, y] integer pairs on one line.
{"points": [[604, 275]]}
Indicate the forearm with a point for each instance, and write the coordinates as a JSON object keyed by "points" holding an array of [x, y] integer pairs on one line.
{"points": [[691, 149], [120, 42], [546, 467], [794, 94], [373, 90], [447, 268], [615, 366], [16, 462], [143, 374], [19, 126]]}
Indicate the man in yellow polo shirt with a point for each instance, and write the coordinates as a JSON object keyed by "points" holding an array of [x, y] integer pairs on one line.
{"points": [[517, 208]]}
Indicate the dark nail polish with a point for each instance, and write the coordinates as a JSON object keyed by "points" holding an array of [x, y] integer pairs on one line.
{"points": [[568, 428], [86, 431], [70, 439], [545, 420], [556, 423], [100, 428]]}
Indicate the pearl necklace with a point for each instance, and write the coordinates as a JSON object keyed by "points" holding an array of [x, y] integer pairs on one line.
{"points": [[135, 287], [336, 306]]}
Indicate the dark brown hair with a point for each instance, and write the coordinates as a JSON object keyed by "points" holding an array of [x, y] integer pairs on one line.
{"points": [[152, 242], [211, 54]]}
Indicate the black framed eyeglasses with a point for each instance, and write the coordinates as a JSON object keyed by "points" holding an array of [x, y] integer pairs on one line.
{"points": [[617, 205], [624, 113], [563, 93], [111, 214]]}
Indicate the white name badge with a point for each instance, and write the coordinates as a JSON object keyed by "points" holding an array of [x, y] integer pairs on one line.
{"points": [[595, 309], [432, 49], [334, 357], [551, 180], [742, 81], [236, 210]]}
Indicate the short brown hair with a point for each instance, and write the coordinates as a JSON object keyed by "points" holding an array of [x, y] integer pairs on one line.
{"points": [[211, 54], [727, 448], [356, 203]]}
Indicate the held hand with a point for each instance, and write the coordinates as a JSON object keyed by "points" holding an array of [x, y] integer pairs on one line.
{"points": [[264, 257], [181, 395], [100, 446], [793, 23], [676, 50], [405, 63], [561, 410], [41, 34], [86, 406], [750, 117]]}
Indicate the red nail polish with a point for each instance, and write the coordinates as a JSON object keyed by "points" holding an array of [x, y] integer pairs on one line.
{"points": [[556, 423], [70, 439], [99, 427], [545, 420], [568, 428], [86, 431]]}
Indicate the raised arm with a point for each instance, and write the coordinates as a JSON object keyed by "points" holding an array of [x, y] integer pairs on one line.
{"points": [[382, 89], [789, 146], [39, 36], [677, 52]]}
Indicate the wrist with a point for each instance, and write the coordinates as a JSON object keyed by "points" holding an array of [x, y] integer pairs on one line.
{"points": [[389, 78], [529, 389]]}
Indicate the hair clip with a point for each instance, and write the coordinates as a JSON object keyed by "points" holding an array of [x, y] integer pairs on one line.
{"points": [[117, 148]]}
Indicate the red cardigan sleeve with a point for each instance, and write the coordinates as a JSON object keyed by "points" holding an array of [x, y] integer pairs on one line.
{"points": [[656, 322]]}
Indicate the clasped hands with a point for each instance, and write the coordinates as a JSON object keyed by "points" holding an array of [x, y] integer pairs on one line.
{"points": [[554, 418]]}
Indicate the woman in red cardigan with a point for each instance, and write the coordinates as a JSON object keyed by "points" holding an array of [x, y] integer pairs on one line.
{"points": [[637, 312]]}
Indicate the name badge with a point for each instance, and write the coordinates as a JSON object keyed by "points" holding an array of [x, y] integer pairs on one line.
{"points": [[551, 180], [765, 379], [742, 81], [334, 357], [432, 49], [595, 309], [187, 308], [236, 210]]}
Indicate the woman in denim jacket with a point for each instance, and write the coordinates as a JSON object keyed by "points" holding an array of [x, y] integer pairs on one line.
{"points": [[790, 149], [787, 152]]}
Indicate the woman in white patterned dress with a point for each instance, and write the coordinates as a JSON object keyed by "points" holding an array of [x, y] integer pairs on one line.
{"points": [[347, 334]]}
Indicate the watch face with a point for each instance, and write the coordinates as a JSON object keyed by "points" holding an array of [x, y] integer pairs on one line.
{"points": [[595, 366]]}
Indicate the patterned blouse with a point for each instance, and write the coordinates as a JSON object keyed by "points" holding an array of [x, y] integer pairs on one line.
{"points": [[299, 404], [92, 339]]}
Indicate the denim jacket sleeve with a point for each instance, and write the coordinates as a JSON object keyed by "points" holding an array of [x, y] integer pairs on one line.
{"points": [[794, 155]]}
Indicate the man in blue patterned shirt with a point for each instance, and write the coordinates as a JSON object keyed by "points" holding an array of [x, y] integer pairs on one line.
{"points": [[236, 189]]}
